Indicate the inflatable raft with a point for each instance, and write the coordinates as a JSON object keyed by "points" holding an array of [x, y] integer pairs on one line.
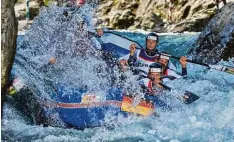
{"points": [[81, 108]]}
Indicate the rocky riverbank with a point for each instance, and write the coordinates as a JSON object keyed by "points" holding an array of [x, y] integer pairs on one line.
{"points": [[149, 15], [213, 44], [153, 15]]}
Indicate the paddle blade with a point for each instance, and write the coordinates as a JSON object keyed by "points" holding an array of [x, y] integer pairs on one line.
{"points": [[222, 68], [188, 97], [185, 96], [229, 70]]}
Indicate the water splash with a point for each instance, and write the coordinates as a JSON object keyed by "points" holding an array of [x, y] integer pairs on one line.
{"points": [[208, 119]]}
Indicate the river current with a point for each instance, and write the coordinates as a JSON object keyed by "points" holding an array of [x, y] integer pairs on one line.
{"points": [[211, 118]]}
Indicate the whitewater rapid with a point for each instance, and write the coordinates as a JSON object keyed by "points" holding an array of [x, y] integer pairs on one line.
{"points": [[210, 118]]}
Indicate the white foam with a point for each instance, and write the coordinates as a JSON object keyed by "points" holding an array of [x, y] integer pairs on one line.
{"points": [[162, 34]]}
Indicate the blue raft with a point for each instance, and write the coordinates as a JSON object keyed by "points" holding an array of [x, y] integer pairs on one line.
{"points": [[82, 109]]}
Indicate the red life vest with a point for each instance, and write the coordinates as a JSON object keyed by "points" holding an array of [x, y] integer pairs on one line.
{"points": [[165, 73], [150, 87], [169, 72]]}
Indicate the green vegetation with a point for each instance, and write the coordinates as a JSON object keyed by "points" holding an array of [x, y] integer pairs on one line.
{"points": [[161, 13], [210, 12], [47, 2], [20, 1], [44, 2], [115, 2]]}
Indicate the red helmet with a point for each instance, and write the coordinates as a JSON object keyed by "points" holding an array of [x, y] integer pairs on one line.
{"points": [[80, 2]]}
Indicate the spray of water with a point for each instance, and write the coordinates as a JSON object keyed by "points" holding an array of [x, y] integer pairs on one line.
{"points": [[55, 35]]}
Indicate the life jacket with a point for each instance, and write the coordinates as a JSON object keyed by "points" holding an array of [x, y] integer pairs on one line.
{"points": [[170, 72], [142, 57], [146, 83], [144, 60], [146, 57]]}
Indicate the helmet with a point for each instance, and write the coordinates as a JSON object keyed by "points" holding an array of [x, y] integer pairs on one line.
{"points": [[155, 67], [152, 36], [99, 28], [81, 2]]}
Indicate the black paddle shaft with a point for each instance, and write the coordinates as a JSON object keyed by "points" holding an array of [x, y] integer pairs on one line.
{"points": [[178, 58], [141, 48], [191, 61], [165, 86]]}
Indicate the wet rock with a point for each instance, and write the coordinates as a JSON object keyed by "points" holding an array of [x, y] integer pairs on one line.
{"points": [[123, 20], [189, 15], [8, 41], [216, 41], [106, 7], [20, 13], [20, 10], [180, 27]]}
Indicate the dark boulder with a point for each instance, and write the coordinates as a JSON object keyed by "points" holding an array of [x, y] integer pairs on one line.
{"points": [[216, 42]]}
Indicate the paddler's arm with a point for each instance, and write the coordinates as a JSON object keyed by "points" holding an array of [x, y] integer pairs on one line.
{"points": [[183, 62], [129, 59], [132, 60], [52, 60], [56, 54], [96, 44], [184, 71], [99, 31], [94, 37]]}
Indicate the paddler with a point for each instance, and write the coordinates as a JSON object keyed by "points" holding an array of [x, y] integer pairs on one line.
{"points": [[153, 84], [153, 80], [143, 58], [80, 3], [94, 39], [136, 57], [169, 72]]}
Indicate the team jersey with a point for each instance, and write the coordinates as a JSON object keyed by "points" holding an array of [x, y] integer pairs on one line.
{"points": [[148, 84], [141, 60], [170, 74]]}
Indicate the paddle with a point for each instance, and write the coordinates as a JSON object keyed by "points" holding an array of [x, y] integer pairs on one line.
{"points": [[222, 68], [185, 96]]}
